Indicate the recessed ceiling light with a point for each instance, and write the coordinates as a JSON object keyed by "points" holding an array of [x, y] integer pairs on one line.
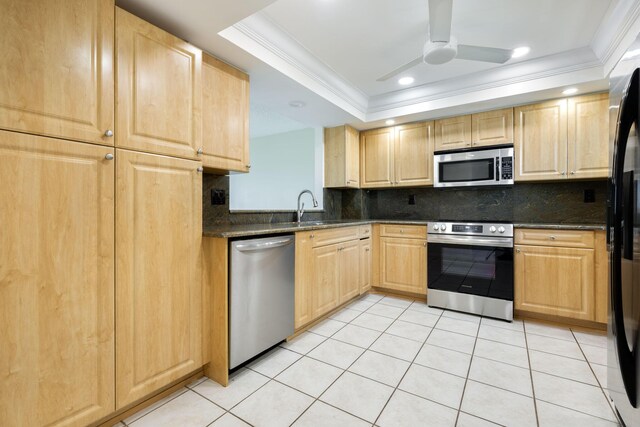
{"points": [[297, 104], [570, 91], [406, 81], [389, 122], [521, 51]]}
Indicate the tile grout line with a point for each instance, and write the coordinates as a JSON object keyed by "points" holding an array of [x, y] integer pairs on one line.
{"points": [[466, 380], [533, 388]]}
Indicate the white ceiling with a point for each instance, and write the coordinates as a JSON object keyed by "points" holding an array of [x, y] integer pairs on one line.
{"points": [[364, 39], [329, 53]]}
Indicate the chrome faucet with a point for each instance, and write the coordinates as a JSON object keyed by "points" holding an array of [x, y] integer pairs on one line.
{"points": [[301, 209]]}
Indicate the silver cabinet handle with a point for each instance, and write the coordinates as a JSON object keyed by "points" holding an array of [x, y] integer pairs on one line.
{"points": [[200, 151], [108, 133], [200, 169], [109, 156]]}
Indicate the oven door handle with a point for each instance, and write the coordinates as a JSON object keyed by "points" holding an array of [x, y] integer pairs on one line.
{"points": [[500, 242]]}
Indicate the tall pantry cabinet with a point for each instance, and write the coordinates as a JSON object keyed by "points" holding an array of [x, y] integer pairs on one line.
{"points": [[100, 290]]}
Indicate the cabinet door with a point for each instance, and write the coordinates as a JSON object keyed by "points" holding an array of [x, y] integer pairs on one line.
{"points": [[453, 133], [376, 151], [304, 279], [365, 265], [56, 76], [555, 281], [325, 288], [158, 90], [602, 277], [349, 270], [588, 135], [56, 282], [540, 141], [225, 116], [492, 127], [414, 154], [158, 285], [342, 157], [403, 264]]}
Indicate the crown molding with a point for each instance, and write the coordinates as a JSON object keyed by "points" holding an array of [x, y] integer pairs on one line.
{"points": [[618, 29], [262, 38]]}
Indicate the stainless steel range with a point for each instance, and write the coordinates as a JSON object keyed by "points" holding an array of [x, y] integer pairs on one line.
{"points": [[470, 267]]}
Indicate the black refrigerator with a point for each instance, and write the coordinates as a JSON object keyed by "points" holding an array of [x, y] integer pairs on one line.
{"points": [[623, 237]]}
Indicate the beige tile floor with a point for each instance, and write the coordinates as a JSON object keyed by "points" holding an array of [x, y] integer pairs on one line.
{"points": [[389, 362]]}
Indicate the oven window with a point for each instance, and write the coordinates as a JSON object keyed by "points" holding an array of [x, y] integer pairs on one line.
{"points": [[467, 170], [477, 270]]}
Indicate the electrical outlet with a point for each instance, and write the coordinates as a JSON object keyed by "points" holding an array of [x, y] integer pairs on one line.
{"points": [[218, 197], [589, 196], [412, 199]]}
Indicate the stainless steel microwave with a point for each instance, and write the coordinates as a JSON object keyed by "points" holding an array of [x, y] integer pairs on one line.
{"points": [[487, 166]]}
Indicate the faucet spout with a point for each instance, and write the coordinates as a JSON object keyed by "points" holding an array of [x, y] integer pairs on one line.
{"points": [[301, 208]]}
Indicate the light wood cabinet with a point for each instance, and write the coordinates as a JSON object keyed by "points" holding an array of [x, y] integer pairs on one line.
{"points": [[341, 157], [555, 281], [376, 158], [159, 90], [397, 156], [540, 141], [303, 278], [562, 139], [413, 154], [56, 281], [225, 117], [588, 136], [453, 133], [562, 273], [365, 265], [492, 128], [57, 72], [325, 281], [349, 267], [403, 264], [158, 282]]}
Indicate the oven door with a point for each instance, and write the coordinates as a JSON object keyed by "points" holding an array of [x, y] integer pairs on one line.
{"points": [[471, 265]]}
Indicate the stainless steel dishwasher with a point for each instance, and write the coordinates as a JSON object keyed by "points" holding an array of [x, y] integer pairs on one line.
{"points": [[261, 295]]}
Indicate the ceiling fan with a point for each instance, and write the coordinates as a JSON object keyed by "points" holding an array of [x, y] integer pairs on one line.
{"points": [[441, 47]]}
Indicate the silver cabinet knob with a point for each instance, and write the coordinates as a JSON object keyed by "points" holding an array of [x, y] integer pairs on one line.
{"points": [[563, 173], [249, 166], [200, 169], [492, 229], [108, 133], [366, 249], [312, 236], [552, 237], [501, 229], [401, 231], [518, 250], [109, 156], [200, 151], [424, 244], [573, 172]]}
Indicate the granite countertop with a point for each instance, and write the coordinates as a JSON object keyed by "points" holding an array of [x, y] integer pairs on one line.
{"points": [[561, 226]]}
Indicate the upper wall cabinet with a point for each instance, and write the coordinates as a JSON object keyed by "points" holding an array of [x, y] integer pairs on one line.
{"points": [[492, 128], [341, 157], [562, 139], [453, 133], [225, 116], [397, 156], [56, 77], [588, 136], [158, 90]]}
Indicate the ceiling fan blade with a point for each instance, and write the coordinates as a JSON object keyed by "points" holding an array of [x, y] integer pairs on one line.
{"points": [[440, 20], [401, 69], [485, 54]]}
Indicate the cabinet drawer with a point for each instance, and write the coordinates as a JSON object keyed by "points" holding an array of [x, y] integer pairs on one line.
{"points": [[364, 231], [403, 231], [333, 235], [564, 238]]}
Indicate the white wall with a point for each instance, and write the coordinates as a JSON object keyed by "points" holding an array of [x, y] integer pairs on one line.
{"points": [[282, 165]]}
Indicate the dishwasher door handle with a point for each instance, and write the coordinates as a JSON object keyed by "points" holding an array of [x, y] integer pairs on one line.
{"points": [[262, 246]]}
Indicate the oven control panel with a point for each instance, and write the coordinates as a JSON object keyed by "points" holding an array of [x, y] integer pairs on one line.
{"points": [[471, 229]]}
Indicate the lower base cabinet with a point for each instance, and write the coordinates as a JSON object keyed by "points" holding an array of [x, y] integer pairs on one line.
{"points": [[365, 265], [560, 273], [56, 282], [403, 261], [158, 281]]}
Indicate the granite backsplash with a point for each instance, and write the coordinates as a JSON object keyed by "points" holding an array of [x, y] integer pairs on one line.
{"points": [[555, 202]]}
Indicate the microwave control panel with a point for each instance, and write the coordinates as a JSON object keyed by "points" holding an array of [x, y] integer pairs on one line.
{"points": [[507, 167]]}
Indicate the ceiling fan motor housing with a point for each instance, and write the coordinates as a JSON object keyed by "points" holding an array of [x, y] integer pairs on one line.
{"points": [[436, 53]]}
